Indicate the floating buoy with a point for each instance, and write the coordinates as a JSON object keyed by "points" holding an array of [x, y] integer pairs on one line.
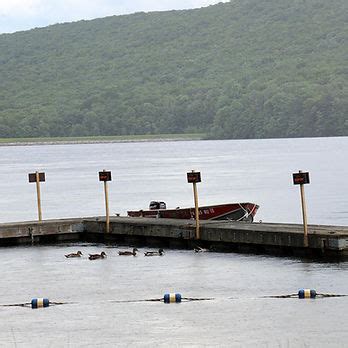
{"points": [[307, 293], [172, 298], [40, 302]]}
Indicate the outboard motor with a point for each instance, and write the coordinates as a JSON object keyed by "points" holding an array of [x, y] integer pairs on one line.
{"points": [[154, 205]]}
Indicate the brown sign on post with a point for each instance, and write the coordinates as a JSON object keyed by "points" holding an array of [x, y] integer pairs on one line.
{"points": [[300, 178], [104, 176], [32, 177], [193, 177], [37, 177]]}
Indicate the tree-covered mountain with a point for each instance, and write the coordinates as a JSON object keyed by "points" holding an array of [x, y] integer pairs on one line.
{"points": [[243, 69]]}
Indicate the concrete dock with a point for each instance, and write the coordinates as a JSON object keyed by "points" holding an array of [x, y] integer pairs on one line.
{"points": [[267, 238]]}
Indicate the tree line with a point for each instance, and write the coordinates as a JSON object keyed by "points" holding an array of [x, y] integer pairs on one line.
{"points": [[242, 69]]}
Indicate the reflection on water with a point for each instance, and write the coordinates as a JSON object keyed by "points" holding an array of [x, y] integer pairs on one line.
{"points": [[237, 317]]}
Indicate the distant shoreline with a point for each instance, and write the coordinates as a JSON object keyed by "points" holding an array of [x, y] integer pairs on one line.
{"points": [[106, 140], [102, 140]]}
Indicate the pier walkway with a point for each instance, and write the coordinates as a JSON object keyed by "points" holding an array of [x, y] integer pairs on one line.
{"points": [[269, 238]]}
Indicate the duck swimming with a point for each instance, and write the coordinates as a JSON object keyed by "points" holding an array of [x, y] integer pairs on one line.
{"points": [[160, 252], [97, 256], [129, 253], [78, 254]]}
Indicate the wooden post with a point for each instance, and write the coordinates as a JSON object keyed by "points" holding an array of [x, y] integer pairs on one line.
{"points": [[304, 214], [38, 196], [106, 176], [107, 206], [196, 210], [301, 179], [193, 178]]}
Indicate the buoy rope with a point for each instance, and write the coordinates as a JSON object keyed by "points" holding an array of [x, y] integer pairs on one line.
{"points": [[135, 301], [61, 303], [28, 304], [160, 299], [183, 299], [198, 299], [281, 296], [17, 304], [331, 295], [296, 296]]}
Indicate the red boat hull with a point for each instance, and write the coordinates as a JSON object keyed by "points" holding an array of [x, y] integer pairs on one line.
{"points": [[231, 211]]}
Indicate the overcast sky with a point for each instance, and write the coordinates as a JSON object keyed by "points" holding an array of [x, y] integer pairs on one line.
{"points": [[18, 15]]}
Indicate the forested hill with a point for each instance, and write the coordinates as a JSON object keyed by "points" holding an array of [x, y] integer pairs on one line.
{"points": [[243, 69]]}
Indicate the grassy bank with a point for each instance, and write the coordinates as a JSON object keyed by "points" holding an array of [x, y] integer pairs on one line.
{"points": [[102, 139]]}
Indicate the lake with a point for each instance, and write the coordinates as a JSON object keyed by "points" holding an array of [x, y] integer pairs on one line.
{"points": [[238, 315], [258, 171]]}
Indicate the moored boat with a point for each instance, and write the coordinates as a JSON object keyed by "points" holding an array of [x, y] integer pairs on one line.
{"points": [[229, 211]]}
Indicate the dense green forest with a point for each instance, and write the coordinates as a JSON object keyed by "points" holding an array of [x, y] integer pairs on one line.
{"points": [[242, 69]]}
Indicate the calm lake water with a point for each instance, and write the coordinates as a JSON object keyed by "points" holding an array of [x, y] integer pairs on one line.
{"points": [[259, 171]]}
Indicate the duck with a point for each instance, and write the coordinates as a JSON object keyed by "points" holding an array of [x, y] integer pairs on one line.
{"points": [[78, 254], [97, 256], [198, 249], [128, 253], [160, 252]]}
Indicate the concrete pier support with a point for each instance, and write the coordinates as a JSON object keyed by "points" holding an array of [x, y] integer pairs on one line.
{"points": [[279, 239]]}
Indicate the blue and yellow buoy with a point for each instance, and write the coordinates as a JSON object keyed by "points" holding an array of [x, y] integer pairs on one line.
{"points": [[307, 293], [40, 302], [172, 298]]}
